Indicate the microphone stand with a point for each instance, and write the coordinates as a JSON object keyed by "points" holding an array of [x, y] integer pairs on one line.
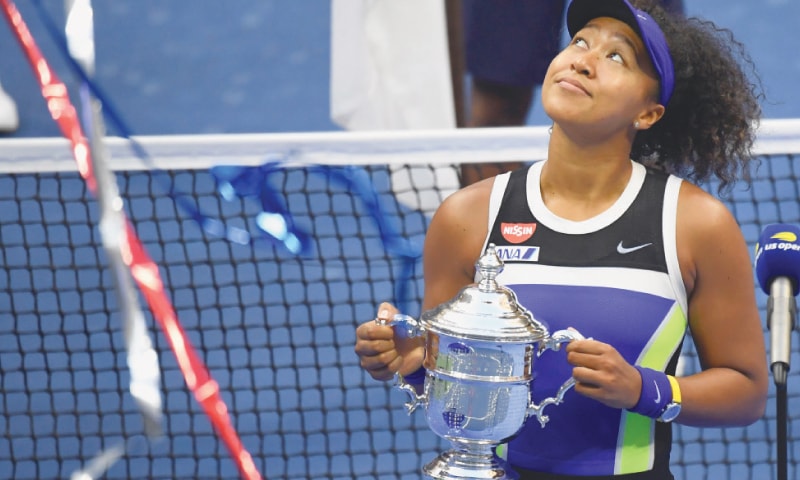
{"points": [[781, 292], [782, 419]]}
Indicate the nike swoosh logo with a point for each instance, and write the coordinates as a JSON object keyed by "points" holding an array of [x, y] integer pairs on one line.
{"points": [[624, 250], [658, 392]]}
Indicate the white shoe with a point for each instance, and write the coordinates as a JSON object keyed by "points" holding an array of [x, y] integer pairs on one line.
{"points": [[9, 117]]}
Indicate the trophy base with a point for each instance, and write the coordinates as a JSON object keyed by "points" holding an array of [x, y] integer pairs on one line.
{"points": [[461, 465]]}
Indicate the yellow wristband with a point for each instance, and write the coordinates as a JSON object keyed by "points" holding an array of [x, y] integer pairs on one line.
{"points": [[676, 389]]}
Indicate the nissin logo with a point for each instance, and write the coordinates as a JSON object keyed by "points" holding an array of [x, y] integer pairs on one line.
{"points": [[518, 254], [517, 232]]}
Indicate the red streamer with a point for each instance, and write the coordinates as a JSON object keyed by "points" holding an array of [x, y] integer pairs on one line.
{"points": [[143, 270]]}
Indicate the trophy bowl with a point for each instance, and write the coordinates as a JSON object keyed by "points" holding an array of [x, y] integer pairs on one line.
{"points": [[479, 353]]}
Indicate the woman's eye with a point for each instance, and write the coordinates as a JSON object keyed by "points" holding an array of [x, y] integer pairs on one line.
{"points": [[580, 42], [616, 57]]}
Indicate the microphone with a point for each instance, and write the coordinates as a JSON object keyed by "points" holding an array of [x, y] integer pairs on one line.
{"points": [[777, 267]]}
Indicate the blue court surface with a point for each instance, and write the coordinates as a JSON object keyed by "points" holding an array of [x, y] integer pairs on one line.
{"points": [[255, 66], [263, 65]]}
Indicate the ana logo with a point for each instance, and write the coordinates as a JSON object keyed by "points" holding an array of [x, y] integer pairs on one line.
{"points": [[517, 232], [785, 236], [518, 254]]}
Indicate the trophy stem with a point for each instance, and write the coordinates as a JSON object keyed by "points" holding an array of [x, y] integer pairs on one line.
{"points": [[469, 461]]}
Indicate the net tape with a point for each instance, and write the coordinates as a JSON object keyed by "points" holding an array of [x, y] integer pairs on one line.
{"points": [[442, 147]]}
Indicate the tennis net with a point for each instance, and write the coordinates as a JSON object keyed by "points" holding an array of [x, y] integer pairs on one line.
{"points": [[276, 329]]}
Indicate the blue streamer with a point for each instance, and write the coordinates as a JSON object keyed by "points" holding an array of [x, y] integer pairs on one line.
{"points": [[275, 220], [211, 226], [254, 182]]}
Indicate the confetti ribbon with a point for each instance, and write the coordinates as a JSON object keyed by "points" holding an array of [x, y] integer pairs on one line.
{"points": [[275, 220], [142, 359], [143, 270]]}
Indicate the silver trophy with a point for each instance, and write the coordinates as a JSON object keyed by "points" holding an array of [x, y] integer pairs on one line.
{"points": [[479, 353]]}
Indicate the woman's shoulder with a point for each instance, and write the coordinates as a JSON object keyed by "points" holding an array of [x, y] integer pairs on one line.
{"points": [[704, 221], [701, 209], [461, 221], [708, 235], [470, 200]]}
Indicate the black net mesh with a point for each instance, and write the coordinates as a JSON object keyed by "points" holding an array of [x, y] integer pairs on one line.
{"points": [[276, 331]]}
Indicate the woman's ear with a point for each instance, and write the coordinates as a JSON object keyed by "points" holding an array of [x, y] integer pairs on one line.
{"points": [[649, 117]]}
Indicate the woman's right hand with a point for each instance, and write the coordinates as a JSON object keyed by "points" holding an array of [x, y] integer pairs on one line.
{"points": [[382, 353]]}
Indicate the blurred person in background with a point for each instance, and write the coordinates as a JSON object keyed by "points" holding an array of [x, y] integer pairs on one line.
{"points": [[9, 117]]}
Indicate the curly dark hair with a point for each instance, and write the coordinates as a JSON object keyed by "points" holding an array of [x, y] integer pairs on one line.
{"points": [[709, 126]]}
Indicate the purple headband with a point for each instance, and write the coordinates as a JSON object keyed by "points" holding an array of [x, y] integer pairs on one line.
{"points": [[581, 11]]}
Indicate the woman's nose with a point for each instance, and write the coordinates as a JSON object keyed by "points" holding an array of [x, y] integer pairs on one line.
{"points": [[583, 64]]}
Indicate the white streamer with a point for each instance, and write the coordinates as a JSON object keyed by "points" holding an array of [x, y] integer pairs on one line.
{"points": [[142, 359]]}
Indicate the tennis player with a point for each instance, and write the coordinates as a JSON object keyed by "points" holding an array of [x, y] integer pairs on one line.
{"points": [[508, 45], [626, 248]]}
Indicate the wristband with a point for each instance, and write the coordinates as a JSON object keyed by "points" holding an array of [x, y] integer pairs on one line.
{"points": [[416, 378], [676, 389], [656, 393]]}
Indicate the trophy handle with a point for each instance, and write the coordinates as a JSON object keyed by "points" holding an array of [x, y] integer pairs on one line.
{"points": [[556, 339], [414, 399], [405, 326], [554, 343]]}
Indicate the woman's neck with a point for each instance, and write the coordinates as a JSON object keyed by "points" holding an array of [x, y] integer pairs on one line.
{"points": [[581, 180]]}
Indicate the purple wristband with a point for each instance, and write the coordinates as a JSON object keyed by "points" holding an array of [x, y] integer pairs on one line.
{"points": [[656, 393], [415, 378]]}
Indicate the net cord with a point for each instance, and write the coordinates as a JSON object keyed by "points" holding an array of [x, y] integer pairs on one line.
{"points": [[408, 147]]}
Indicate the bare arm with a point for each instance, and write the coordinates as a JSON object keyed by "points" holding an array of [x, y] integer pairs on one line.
{"points": [[452, 246], [453, 243], [723, 316]]}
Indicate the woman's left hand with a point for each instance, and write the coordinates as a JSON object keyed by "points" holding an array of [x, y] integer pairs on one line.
{"points": [[601, 373]]}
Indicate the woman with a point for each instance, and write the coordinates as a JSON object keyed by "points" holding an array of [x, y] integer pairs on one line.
{"points": [[631, 256]]}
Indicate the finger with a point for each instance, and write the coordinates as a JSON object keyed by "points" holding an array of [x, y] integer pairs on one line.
{"points": [[588, 360], [589, 390], [587, 375], [386, 311], [372, 331], [588, 346], [382, 375], [377, 371], [379, 367], [372, 348]]}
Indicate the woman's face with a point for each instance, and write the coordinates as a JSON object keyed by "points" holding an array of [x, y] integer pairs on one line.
{"points": [[603, 78]]}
